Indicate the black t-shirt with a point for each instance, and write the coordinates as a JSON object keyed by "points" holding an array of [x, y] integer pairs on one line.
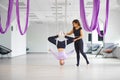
{"points": [[77, 32]]}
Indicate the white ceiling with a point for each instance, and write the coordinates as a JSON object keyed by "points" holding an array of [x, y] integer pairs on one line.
{"points": [[42, 9]]}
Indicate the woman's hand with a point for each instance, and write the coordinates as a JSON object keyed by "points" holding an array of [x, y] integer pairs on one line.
{"points": [[75, 40], [65, 34]]}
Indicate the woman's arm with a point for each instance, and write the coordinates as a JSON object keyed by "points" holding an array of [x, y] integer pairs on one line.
{"points": [[80, 37], [71, 32]]}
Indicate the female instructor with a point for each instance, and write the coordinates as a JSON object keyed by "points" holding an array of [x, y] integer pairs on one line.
{"points": [[78, 42]]}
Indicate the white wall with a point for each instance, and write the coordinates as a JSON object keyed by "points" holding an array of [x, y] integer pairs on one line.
{"points": [[113, 33], [37, 37], [12, 39], [18, 42]]}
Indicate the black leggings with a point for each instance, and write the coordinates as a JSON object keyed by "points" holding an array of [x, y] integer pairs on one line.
{"points": [[60, 44], [79, 49]]}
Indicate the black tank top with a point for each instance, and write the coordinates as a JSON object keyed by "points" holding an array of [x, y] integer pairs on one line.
{"points": [[77, 32]]}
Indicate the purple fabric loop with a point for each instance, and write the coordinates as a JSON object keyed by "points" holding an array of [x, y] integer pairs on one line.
{"points": [[18, 17], [9, 15], [106, 21], [93, 26], [94, 22]]}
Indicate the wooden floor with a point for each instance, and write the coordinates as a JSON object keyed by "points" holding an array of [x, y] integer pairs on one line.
{"points": [[45, 67]]}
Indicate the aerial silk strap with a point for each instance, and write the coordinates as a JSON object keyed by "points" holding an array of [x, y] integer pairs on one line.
{"points": [[94, 22], [9, 15], [18, 17], [106, 21], [93, 26]]}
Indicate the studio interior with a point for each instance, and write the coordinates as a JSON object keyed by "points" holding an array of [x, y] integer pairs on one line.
{"points": [[59, 39]]}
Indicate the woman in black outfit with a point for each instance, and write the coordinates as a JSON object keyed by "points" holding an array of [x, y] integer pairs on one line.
{"points": [[78, 42]]}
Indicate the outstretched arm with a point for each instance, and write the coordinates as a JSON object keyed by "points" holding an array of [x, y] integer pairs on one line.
{"points": [[69, 33]]}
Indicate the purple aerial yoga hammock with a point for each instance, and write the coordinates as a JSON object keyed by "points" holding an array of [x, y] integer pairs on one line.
{"points": [[106, 21], [94, 22], [96, 5], [9, 15], [18, 17]]}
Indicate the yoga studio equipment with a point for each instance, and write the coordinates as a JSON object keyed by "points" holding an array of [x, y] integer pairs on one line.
{"points": [[18, 17], [9, 15], [95, 15], [93, 26], [106, 21], [4, 51]]}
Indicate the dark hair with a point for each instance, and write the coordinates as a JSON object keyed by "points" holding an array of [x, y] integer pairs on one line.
{"points": [[77, 22]]}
